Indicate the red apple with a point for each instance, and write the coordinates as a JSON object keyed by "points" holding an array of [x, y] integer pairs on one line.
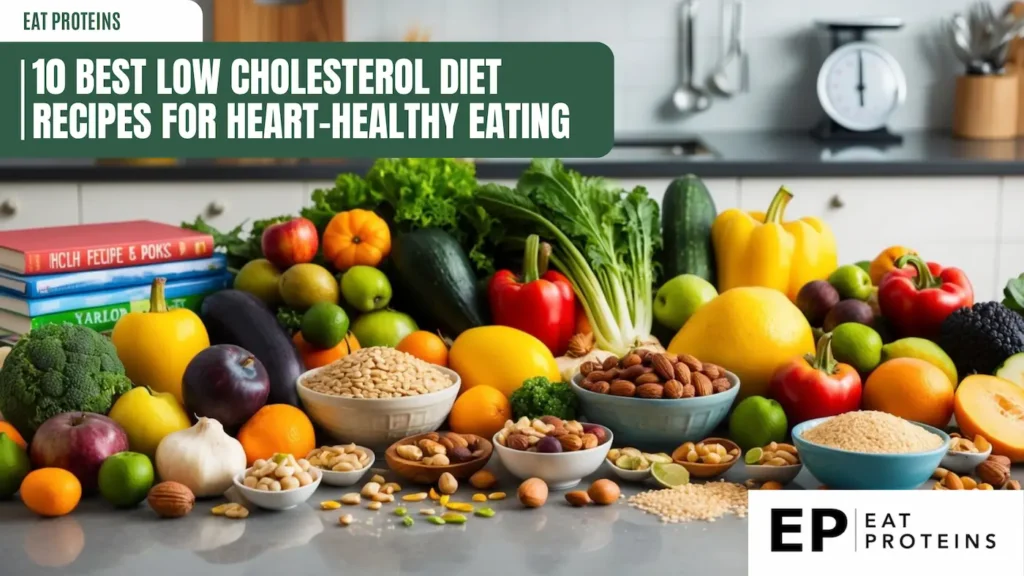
{"points": [[78, 442], [289, 243]]}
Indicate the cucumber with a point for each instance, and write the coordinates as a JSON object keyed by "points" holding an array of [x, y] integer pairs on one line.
{"points": [[239, 318], [435, 277], [687, 213], [1012, 369]]}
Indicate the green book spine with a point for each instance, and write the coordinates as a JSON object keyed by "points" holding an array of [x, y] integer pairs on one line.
{"points": [[103, 318]]}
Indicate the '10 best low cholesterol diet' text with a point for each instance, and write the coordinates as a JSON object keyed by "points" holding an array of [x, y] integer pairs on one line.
{"points": [[184, 77]]}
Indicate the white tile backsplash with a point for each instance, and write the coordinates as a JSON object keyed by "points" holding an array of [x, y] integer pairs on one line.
{"points": [[784, 46]]}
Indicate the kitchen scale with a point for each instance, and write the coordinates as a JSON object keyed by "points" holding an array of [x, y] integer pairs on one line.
{"points": [[860, 84]]}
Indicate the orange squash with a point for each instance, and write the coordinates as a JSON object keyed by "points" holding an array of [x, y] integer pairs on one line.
{"points": [[313, 357], [994, 408], [356, 237]]}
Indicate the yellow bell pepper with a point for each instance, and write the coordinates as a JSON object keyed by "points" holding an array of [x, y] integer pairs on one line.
{"points": [[156, 346], [760, 249]]}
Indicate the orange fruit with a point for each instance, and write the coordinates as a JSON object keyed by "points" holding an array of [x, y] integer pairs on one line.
{"points": [[994, 408], [481, 410], [277, 428], [426, 346], [313, 357], [6, 428], [912, 389], [51, 491]]}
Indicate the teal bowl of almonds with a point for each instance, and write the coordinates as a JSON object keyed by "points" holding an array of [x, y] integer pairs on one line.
{"points": [[632, 465]]}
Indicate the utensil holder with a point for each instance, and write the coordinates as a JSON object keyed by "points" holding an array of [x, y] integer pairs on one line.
{"points": [[986, 107]]}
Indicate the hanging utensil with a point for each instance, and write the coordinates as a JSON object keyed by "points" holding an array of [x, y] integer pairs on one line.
{"points": [[741, 47], [726, 78], [688, 98]]}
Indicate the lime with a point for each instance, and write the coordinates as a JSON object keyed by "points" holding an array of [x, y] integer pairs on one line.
{"points": [[14, 466], [753, 456], [857, 345], [670, 475], [757, 421], [324, 325], [125, 479]]}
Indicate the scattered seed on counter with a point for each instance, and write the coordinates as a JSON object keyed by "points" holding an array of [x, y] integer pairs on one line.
{"points": [[690, 502], [374, 505], [219, 509], [433, 495], [400, 511], [417, 497], [479, 497], [391, 488], [345, 519], [485, 512], [453, 518], [330, 505], [231, 510], [428, 512], [407, 520], [443, 500], [378, 479], [459, 506], [351, 499], [496, 496], [437, 520]]}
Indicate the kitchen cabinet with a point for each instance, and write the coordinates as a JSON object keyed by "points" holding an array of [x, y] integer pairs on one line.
{"points": [[35, 205]]}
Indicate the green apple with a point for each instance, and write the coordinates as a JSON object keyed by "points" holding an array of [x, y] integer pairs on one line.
{"points": [[125, 479], [383, 328], [852, 282], [680, 297], [365, 288], [147, 417]]}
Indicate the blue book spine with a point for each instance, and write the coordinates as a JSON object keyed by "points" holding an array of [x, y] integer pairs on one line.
{"points": [[93, 280], [178, 289]]}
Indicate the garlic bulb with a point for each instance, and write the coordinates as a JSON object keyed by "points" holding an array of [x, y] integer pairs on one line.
{"points": [[202, 457]]}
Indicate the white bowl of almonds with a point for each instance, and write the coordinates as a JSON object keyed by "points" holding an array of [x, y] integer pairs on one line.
{"points": [[341, 465], [279, 483], [377, 395], [965, 455], [559, 452]]}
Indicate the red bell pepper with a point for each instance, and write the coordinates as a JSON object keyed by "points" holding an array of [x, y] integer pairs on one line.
{"points": [[541, 303], [816, 386], [916, 299]]}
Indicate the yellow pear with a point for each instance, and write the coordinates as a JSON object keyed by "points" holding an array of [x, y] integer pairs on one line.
{"points": [[147, 417]]}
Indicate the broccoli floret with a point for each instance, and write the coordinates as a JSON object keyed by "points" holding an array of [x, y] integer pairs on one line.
{"points": [[541, 397], [980, 338], [59, 368]]}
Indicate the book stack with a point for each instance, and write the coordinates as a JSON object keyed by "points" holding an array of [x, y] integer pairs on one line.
{"points": [[93, 274]]}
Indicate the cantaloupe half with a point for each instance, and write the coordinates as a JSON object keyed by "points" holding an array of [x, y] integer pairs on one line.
{"points": [[994, 408]]}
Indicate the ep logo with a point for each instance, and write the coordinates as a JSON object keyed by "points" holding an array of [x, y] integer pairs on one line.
{"points": [[788, 523]]}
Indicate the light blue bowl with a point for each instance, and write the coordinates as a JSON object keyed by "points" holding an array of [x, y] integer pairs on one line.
{"points": [[657, 424], [846, 470]]}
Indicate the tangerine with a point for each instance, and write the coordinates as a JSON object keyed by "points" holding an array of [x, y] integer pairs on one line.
{"points": [[8, 429], [426, 346], [277, 428], [51, 491], [313, 357], [481, 410], [912, 389]]}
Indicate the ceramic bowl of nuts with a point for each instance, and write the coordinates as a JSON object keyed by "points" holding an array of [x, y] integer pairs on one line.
{"points": [[341, 465], [655, 399], [279, 483], [559, 452], [632, 465], [965, 455], [708, 458], [776, 462], [424, 458], [376, 396]]}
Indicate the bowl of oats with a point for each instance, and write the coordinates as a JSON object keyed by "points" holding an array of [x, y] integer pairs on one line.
{"points": [[376, 396]]}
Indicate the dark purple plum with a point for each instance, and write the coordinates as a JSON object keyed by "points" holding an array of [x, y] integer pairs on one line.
{"points": [[815, 300], [849, 311], [549, 445], [227, 383]]}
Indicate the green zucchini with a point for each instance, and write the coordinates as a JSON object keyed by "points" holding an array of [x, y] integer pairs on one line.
{"points": [[437, 280], [687, 213]]}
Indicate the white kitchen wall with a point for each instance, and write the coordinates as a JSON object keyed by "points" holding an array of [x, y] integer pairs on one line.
{"points": [[785, 50]]}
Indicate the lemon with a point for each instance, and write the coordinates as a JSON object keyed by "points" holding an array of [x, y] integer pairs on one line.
{"points": [[670, 474], [750, 331]]}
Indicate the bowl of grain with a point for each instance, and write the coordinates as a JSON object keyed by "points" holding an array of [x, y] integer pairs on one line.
{"points": [[377, 395], [869, 450]]}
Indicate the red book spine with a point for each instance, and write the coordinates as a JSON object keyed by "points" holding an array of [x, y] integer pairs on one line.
{"points": [[117, 255]]}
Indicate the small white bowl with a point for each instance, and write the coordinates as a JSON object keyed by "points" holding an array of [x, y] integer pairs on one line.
{"points": [[378, 422], [332, 478], [964, 462], [560, 470], [762, 473], [629, 475], [282, 500]]}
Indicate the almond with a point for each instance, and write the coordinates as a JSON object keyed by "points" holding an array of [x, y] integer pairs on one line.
{"points": [[577, 498], [533, 493], [609, 363], [171, 499], [633, 372], [663, 367], [631, 360], [622, 388], [517, 441], [702, 385], [720, 385], [993, 472], [600, 387], [689, 391], [952, 482], [588, 367], [483, 480], [691, 362], [591, 440], [604, 492], [713, 371], [1012, 485], [570, 442], [673, 389], [650, 390], [649, 378], [682, 373], [599, 376]]}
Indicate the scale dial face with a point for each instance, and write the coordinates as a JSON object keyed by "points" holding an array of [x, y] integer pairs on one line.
{"points": [[860, 85]]}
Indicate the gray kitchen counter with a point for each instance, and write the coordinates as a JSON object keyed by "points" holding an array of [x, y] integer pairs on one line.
{"points": [[726, 154], [553, 540]]}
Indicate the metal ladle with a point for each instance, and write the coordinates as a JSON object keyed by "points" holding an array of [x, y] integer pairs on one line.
{"points": [[688, 97]]}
